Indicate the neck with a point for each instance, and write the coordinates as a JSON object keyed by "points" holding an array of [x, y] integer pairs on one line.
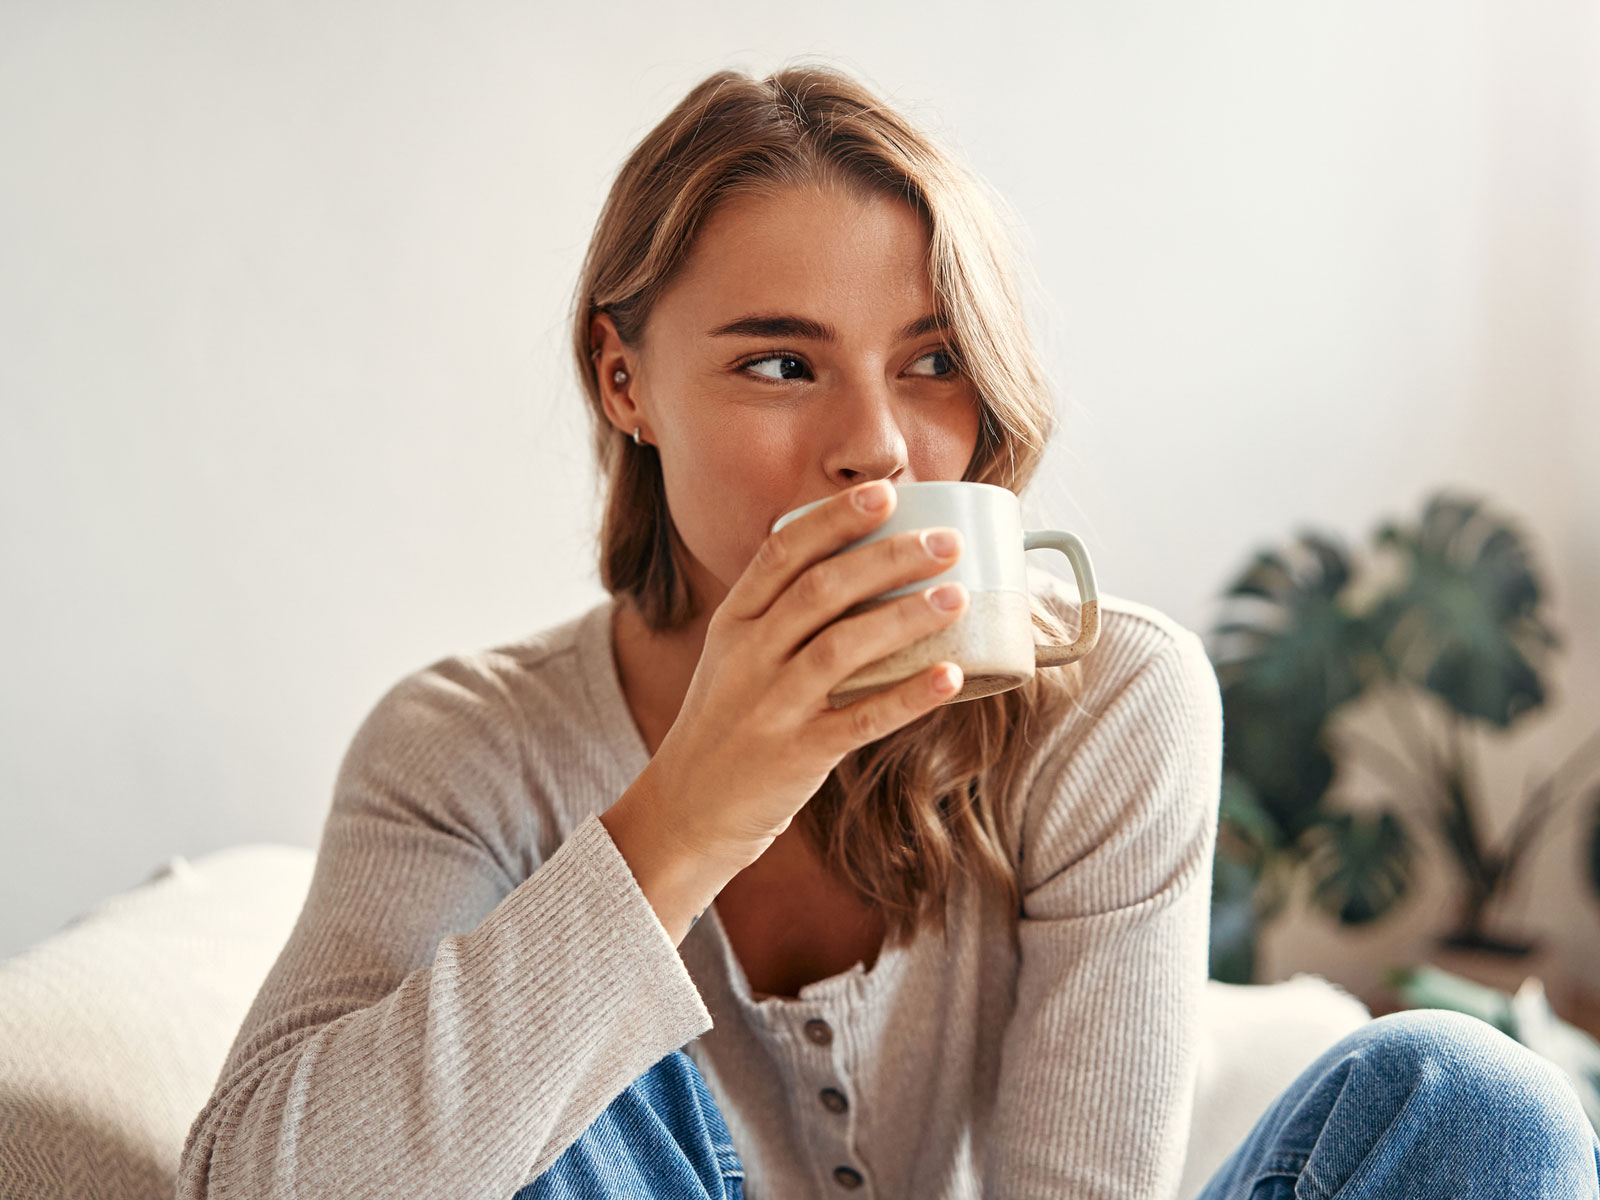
{"points": [[655, 668]]}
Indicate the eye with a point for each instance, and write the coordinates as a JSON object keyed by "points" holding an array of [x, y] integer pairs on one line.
{"points": [[949, 358], [785, 361]]}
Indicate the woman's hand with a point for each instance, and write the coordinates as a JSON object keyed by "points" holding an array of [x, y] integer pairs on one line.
{"points": [[755, 737]]}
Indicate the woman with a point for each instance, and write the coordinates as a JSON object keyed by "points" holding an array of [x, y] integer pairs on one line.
{"points": [[625, 908]]}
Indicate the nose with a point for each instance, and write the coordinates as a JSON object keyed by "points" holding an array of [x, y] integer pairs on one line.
{"points": [[862, 438]]}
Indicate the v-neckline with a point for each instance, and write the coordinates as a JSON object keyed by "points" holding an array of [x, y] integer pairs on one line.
{"points": [[603, 682]]}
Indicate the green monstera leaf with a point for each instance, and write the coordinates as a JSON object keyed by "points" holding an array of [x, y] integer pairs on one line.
{"points": [[1463, 622], [1360, 865], [1287, 655], [1235, 923], [1286, 765], [1241, 810], [1287, 637]]}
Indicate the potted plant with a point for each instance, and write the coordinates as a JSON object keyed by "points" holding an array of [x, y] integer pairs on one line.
{"points": [[1444, 615]]}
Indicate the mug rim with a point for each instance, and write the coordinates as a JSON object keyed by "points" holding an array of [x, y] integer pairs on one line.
{"points": [[794, 513]]}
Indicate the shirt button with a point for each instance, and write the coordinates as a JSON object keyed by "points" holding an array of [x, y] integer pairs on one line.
{"points": [[847, 1178], [833, 1100], [819, 1032]]}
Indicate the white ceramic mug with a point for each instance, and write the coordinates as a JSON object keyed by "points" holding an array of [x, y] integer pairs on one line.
{"points": [[992, 640]]}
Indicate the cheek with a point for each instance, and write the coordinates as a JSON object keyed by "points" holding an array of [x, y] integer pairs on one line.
{"points": [[941, 446], [726, 493], [958, 439]]}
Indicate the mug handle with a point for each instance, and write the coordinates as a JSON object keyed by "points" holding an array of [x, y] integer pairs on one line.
{"points": [[1088, 596]]}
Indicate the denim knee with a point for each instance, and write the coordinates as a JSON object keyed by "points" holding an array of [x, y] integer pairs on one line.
{"points": [[1469, 1066], [1427, 1104]]}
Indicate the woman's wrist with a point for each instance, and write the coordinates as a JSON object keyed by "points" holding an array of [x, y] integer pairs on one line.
{"points": [[678, 880]]}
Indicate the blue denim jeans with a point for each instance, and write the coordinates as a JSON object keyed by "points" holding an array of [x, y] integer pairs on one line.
{"points": [[663, 1136], [1423, 1104]]}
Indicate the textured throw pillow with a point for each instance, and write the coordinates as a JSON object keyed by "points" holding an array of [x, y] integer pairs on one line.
{"points": [[112, 1031]]}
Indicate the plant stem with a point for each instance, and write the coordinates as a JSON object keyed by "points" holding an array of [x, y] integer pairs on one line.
{"points": [[1461, 760], [1540, 805], [1536, 809], [1482, 871]]}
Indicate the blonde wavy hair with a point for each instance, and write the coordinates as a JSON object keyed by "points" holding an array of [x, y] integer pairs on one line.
{"points": [[899, 818]]}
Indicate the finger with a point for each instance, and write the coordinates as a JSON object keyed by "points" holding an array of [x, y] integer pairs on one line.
{"points": [[845, 729], [830, 594], [845, 646], [807, 539]]}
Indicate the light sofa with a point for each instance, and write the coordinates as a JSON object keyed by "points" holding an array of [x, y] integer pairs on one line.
{"points": [[113, 1030]]}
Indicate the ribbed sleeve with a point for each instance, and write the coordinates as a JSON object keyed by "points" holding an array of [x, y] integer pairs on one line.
{"points": [[1099, 1059], [438, 1025]]}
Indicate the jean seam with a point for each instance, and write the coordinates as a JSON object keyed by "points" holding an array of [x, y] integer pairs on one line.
{"points": [[728, 1162], [1285, 1164]]}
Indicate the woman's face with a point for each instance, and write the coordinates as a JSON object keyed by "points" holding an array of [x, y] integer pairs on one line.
{"points": [[789, 361]]}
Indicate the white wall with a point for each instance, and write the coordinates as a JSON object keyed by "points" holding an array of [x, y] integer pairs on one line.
{"points": [[289, 413]]}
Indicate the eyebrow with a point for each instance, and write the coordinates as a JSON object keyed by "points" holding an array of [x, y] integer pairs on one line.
{"points": [[784, 326]]}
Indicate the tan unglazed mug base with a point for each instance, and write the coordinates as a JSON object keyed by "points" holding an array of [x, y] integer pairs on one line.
{"points": [[992, 642]]}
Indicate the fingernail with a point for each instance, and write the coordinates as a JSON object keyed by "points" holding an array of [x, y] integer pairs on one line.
{"points": [[873, 497], [946, 596], [941, 542]]}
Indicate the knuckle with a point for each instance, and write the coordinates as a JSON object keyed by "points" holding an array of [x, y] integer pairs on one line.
{"points": [[773, 553], [824, 650], [722, 629], [815, 586], [717, 623], [863, 721]]}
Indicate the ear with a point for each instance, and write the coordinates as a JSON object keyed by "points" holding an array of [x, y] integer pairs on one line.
{"points": [[608, 355]]}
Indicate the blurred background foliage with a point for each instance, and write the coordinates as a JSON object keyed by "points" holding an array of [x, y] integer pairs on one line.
{"points": [[1441, 614]]}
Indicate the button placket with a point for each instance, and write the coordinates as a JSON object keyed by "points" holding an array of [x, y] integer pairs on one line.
{"points": [[820, 1057]]}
